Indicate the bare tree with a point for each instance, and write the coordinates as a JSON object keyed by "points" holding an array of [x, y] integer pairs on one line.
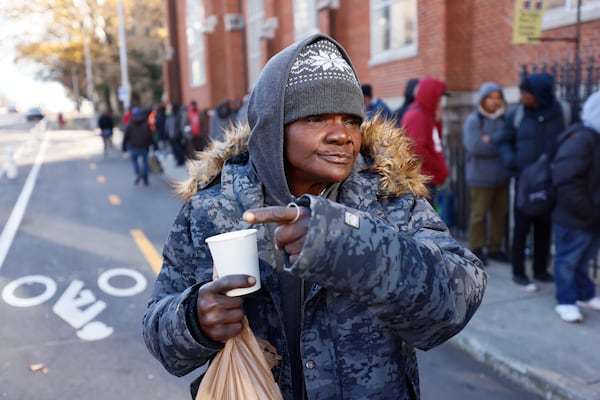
{"points": [[56, 36]]}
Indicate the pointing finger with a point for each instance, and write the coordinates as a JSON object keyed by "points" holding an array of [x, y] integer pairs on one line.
{"points": [[280, 215]]}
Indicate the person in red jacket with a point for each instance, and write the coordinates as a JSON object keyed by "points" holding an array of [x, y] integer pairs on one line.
{"points": [[423, 124]]}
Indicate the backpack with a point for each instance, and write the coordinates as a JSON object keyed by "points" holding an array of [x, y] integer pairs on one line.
{"points": [[535, 193]]}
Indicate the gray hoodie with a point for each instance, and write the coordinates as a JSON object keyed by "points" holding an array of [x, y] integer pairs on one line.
{"points": [[484, 168], [383, 273]]}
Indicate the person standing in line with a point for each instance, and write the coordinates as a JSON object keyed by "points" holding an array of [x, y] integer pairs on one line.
{"points": [[242, 114], [221, 118], [354, 276], [423, 124], [531, 129], [137, 140], [126, 118], [160, 128], [576, 217], [409, 97], [488, 179], [106, 125], [374, 105], [196, 121], [174, 133]]}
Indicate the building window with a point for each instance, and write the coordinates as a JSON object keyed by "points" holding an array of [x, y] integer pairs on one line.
{"points": [[194, 29], [564, 12], [393, 30], [305, 18], [256, 15]]}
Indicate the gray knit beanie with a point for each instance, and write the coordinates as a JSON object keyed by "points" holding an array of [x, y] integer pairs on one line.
{"points": [[321, 81]]}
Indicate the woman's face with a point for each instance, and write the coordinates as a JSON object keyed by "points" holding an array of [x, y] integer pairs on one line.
{"points": [[492, 102], [320, 150]]}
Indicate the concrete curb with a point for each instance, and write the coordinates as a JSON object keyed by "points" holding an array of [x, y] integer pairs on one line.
{"points": [[550, 386]]}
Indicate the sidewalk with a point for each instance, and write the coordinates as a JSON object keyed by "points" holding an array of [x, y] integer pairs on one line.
{"points": [[519, 334]]}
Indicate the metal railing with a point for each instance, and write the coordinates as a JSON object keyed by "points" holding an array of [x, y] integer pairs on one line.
{"points": [[574, 81]]}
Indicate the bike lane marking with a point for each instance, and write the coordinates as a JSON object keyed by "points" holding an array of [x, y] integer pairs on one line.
{"points": [[147, 249], [16, 215]]}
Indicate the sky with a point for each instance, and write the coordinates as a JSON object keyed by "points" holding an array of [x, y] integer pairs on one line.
{"points": [[18, 83]]}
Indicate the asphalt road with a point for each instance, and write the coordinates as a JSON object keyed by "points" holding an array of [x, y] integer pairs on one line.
{"points": [[77, 272], [79, 251]]}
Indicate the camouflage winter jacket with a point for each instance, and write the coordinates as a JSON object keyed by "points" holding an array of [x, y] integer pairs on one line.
{"points": [[386, 275]]}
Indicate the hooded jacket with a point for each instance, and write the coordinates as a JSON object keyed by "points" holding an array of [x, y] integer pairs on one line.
{"points": [[409, 97], [539, 128], [421, 126], [392, 280], [137, 133], [484, 168], [576, 172]]}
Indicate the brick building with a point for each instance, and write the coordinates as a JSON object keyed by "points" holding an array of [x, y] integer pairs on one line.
{"points": [[218, 47]]}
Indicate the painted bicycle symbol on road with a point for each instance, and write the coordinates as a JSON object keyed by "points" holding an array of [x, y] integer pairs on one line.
{"points": [[78, 305]]}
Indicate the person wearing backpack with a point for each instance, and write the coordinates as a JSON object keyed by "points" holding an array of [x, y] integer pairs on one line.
{"points": [[576, 216], [487, 178], [531, 129]]}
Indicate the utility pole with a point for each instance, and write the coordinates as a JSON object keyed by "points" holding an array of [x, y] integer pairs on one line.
{"points": [[125, 88], [86, 21], [75, 86], [88, 73]]}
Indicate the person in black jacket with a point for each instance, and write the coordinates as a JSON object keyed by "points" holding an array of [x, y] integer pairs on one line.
{"points": [[576, 217], [520, 144], [409, 97], [137, 140], [106, 125]]}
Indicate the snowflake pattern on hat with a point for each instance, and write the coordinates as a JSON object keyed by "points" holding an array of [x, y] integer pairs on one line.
{"points": [[318, 61]]}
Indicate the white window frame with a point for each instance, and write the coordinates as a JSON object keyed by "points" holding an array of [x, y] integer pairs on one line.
{"points": [[558, 17], [196, 48], [255, 10], [406, 51], [306, 20]]}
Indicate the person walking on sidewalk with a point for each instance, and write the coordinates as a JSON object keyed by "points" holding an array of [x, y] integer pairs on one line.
{"points": [[106, 125], [354, 276], [531, 129], [137, 140], [488, 179], [576, 217]]}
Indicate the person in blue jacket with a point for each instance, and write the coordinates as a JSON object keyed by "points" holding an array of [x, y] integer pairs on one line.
{"points": [[373, 104]]}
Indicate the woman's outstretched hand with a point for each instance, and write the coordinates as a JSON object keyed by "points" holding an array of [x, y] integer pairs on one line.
{"points": [[292, 226]]}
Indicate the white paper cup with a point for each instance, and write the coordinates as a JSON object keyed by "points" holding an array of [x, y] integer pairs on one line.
{"points": [[236, 253]]}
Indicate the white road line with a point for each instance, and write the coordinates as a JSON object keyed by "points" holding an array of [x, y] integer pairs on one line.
{"points": [[16, 215]]}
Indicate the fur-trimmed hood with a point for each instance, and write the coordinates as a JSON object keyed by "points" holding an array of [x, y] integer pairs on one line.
{"points": [[383, 143]]}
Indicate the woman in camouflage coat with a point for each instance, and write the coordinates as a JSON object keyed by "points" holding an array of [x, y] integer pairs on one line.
{"points": [[366, 273]]}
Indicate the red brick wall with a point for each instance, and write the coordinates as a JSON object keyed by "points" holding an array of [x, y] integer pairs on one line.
{"points": [[389, 79], [463, 42], [496, 58], [459, 42]]}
